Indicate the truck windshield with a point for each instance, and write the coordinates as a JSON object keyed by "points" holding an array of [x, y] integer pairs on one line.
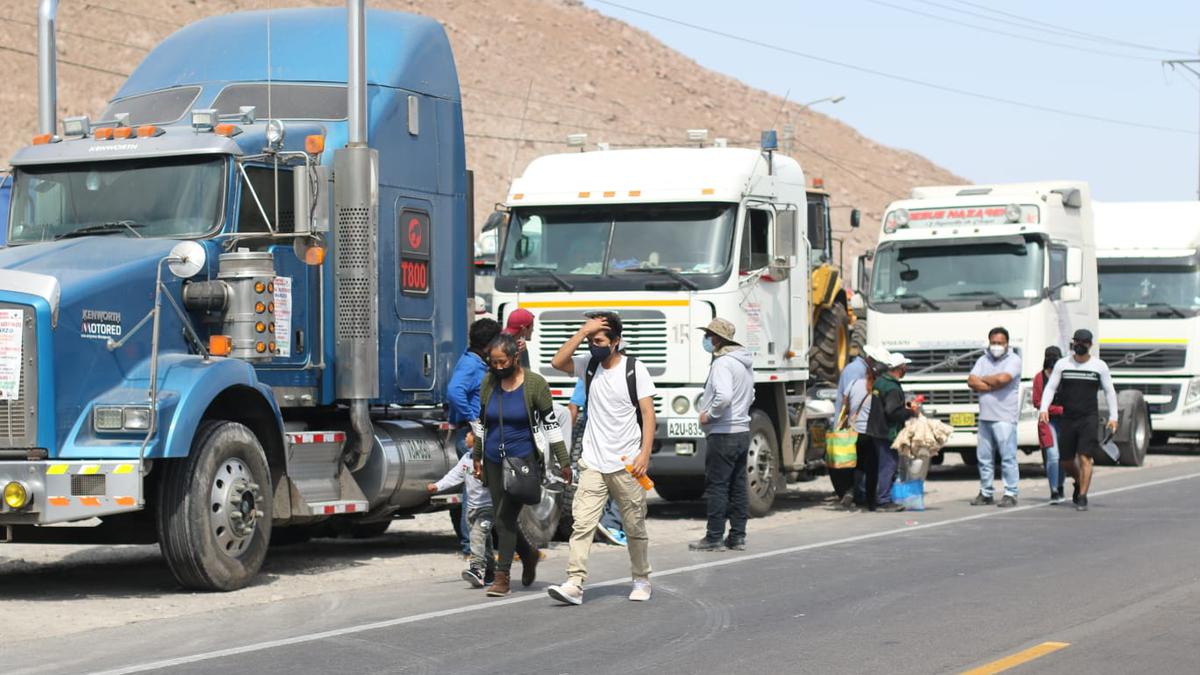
{"points": [[618, 247], [172, 197], [958, 276], [1142, 289]]}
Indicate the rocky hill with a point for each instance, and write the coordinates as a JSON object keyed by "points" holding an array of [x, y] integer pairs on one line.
{"points": [[532, 71]]}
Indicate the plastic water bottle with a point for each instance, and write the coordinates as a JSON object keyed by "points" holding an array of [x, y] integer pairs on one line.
{"points": [[644, 481]]}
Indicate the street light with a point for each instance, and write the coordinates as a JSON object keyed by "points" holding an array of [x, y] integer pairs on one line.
{"points": [[789, 129]]}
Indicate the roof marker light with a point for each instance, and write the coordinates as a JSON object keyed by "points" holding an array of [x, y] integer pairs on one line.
{"points": [[576, 140], [149, 131], [584, 195], [123, 132], [103, 134], [43, 139], [227, 130]]}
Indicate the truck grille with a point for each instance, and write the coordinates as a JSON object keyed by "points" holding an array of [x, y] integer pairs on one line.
{"points": [[1171, 390], [1143, 358], [942, 360], [949, 397], [18, 422], [644, 338], [659, 405]]}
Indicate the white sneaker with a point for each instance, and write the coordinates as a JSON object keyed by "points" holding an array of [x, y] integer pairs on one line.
{"points": [[567, 593], [641, 590]]}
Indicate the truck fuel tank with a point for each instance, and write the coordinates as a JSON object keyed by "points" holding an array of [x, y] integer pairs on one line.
{"points": [[405, 457]]}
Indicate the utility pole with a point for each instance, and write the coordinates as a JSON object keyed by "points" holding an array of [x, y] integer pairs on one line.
{"points": [[1193, 67]]}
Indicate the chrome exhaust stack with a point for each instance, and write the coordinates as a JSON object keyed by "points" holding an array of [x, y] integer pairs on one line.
{"points": [[356, 253], [47, 68]]}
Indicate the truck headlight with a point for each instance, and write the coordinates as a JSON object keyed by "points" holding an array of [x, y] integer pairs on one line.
{"points": [[16, 495], [121, 418], [680, 405], [136, 419], [1193, 392], [108, 418], [1027, 409]]}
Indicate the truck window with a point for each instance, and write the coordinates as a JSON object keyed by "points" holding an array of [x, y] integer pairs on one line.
{"points": [[818, 215], [1058, 266], [756, 241], [263, 180]]}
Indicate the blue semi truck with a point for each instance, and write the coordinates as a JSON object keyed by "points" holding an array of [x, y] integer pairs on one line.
{"points": [[234, 302]]}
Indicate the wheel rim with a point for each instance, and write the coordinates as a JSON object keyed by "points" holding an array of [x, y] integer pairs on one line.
{"points": [[760, 466], [1140, 434], [234, 502]]}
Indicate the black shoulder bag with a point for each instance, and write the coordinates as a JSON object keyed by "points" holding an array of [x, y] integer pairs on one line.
{"points": [[522, 481]]}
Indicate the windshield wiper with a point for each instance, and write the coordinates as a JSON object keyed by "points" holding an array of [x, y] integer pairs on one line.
{"points": [[991, 294], [668, 272], [545, 272], [917, 296], [103, 228], [1106, 308], [1171, 309]]}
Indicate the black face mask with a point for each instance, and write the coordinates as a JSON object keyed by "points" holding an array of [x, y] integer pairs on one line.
{"points": [[600, 353], [1081, 348], [504, 373]]}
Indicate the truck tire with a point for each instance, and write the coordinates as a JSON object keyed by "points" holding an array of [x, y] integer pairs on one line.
{"points": [[214, 509], [1134, 440], [970, 457], [858, 336], [539, 522], [679, 490], [831, 343], [762, 464]]}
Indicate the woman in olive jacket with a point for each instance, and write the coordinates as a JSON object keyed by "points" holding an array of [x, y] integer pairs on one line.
{"points": [[515, 410], [889, 412]]}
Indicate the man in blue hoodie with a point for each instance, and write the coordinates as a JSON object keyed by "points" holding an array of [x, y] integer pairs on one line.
{"points": [[725, 417], [463, 395]]}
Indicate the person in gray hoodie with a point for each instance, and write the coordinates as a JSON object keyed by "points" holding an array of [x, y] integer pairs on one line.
{"points": [[725, 417]]}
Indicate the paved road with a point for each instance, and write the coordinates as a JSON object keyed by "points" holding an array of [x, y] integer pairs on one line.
{"points": [[939, 591]]}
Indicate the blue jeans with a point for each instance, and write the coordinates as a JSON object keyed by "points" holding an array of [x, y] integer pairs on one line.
{"points": [[611, 518], [889, 462], [998, 437], [1050, 457], [460, 446]]}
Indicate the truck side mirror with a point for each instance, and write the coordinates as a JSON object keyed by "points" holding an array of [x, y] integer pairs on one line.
{"points": [[855, 217], [1070, 294], [496, 220], [1074, 266]]}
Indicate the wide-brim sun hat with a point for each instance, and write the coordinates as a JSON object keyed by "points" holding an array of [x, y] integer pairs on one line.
{"points": [[722, 329]]}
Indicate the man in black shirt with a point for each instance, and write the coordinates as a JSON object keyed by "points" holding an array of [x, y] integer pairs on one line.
{"points": [[1077, 379]]}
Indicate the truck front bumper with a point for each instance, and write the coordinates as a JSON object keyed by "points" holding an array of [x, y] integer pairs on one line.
{"points": [[60, 492]]}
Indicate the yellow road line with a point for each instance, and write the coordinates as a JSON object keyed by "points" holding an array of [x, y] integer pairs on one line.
{"points": [[1143, 341], [555, 304], [1019, 658]]}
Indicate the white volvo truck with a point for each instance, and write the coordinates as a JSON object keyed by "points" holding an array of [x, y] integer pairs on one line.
{"points": [[1149, 258], [670, 238], [955, 261]]}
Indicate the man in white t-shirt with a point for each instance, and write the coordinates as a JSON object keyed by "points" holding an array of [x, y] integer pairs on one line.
{"points": [[619, 432]]}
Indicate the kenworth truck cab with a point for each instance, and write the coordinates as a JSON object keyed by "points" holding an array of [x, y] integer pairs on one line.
{"points": [[955, 261], [1149, 258], [671, 238], [232, 304]]}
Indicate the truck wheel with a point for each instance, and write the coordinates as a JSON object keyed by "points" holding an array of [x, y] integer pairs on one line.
{"points": [[858, 336], [762, 464], [970, 458], [831, 343], [679, 490], [1134, 439], [539, 522], [214, 509]]}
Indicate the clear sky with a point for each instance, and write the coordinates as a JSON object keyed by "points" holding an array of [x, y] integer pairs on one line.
{"points": [[981, 140]]}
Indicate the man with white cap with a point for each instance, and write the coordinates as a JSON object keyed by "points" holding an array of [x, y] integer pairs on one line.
{"points": [[725, 417], [889, 412]]}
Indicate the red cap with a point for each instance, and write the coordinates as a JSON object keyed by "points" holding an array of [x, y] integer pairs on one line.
{"points": [[518, 321]]}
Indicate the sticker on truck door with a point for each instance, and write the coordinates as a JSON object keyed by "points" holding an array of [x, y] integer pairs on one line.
{"points": [[12, 333], [283, 316]]}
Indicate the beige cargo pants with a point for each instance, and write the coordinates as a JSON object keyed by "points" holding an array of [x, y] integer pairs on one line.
{"points": [[591, 496]]}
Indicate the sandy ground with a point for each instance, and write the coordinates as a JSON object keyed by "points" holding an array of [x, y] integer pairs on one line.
{"points": [[98, 586]]}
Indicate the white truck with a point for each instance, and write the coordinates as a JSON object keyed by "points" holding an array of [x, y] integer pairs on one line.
{"points": [[1149, 259], [955, 261], [670, 238]]}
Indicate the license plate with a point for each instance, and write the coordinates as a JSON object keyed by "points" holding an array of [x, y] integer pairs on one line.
{"points": [[962, 419], [684, 429]]}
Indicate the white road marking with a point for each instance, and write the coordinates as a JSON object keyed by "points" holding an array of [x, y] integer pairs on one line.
{"points": [[389, 623]]}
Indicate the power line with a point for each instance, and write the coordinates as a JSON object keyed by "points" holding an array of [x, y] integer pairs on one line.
{"points": [[566, 125], [66, 62], [995, 31], [85, 36], [555, 104], [1053, 28], [515, 139], [900, 78], [135, 15]]}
